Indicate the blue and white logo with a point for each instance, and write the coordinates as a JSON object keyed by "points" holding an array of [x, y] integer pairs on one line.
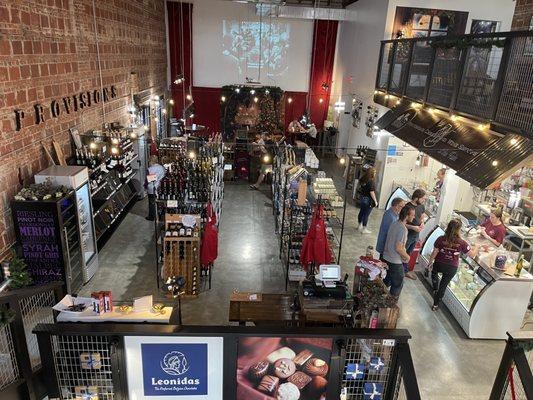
{"points": [[175, 363], [172, 369]]}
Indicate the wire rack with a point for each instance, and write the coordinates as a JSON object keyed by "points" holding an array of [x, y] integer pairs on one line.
{"points": [[366, 353], [83, 367], [8, 363], [36, 309]]}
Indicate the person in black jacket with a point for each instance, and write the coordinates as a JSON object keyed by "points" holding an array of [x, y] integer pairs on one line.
{"points": [[367, 189]]}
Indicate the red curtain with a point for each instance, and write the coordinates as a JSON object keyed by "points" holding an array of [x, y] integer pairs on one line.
{"points": [[207, 107], [180, 43], [322, 61], [295, 107]]}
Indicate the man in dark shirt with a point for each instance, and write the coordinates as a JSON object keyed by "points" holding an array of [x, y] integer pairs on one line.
{"points": [[415, 227]]}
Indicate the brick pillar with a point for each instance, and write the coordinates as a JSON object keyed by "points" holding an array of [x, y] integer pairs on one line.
{"points": [[522, 15]]}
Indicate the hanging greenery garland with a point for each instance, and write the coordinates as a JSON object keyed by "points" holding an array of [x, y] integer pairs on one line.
{"points": [[464, 43]]}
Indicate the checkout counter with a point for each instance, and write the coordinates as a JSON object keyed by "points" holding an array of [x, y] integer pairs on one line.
{"points": [[486, 302]]}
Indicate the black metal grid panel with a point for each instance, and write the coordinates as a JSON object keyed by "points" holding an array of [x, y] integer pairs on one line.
{"points": [[516, 102], [385, 65], [514, 390], [400, 67], [479, 79], [36, 309], [8, 362], [360, 351], [419, 71], [444, 76], [73, 355]]}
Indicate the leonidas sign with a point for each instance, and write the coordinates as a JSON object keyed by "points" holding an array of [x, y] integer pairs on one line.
{"points": [[174, 367], [65, 105], [450, 142]]}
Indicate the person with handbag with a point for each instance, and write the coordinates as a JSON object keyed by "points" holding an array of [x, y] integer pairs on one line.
{"points": [[445, 259], [368, 200]]}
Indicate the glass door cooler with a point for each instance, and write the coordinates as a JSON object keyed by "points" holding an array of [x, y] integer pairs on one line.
{"points": [[77, 178], [486, 302]]}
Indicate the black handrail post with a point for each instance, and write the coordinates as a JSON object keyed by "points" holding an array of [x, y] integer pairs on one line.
{"points": [[22, 354], [405, 83], [408, 372], [501, 376], [380, 61], [524, 370], [44, 341], [429, 76], [500, 80], [392, 56], [459, 78]]}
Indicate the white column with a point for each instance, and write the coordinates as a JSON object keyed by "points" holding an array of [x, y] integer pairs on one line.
{"points": [[447, 196]]}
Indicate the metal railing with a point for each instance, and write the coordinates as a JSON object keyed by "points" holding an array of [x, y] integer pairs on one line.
{"points": [[486, 77], [20, 360], [514, 379], [62, 345]]}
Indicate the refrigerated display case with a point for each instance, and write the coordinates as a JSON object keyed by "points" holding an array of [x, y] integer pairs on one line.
{"points": [[77, 178], [486, 302]]}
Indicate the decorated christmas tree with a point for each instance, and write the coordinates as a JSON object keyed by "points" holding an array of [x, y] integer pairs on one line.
{"points": [[18, 273], [268, 120]]}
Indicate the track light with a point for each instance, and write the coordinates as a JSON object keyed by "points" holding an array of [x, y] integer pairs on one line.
{"points": [[252, 91], [171, 102], [238, 90], [223, 99], [189, 97], [289, 100], [342, 161]]}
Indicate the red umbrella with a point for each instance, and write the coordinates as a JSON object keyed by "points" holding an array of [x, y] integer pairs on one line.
{"points": [[315, 246], [209, 250]]}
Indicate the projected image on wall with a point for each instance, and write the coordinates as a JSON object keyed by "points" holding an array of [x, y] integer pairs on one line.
{"points": [[250, 45]]}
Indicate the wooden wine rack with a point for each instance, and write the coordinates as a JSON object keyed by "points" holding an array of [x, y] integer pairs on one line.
{"points": [[182, 257]]}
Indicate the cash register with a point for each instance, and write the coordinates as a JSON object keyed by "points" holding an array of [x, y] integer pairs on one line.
{"points": [[327, 283]]}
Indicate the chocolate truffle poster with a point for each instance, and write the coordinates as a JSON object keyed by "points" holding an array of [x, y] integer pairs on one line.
{"points": [[283, 368]]}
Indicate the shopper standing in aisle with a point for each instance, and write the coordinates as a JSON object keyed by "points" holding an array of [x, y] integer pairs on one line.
{"points": [[264, 146], [367, 189], [415, 227], [389, 217], [156, 172], [445, 259], [394, 253]]}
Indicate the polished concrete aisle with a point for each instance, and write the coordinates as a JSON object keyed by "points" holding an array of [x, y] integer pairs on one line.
{"points": [[448, 365]]}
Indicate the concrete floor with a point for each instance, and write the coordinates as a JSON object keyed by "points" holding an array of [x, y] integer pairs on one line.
{"points": [[448, 364]]}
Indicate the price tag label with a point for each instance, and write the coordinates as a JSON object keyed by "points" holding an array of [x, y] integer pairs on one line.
{"points": [[172, 203], [389, 342]]}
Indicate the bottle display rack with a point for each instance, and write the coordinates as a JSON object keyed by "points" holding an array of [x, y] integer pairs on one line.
{"points": [[188, 186], [182, 251]]}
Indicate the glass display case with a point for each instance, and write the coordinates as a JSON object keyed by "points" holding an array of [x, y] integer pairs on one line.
{"points": [[469, 281], [478, 293]]}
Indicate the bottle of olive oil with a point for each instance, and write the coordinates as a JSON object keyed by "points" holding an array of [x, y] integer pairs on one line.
{"points": [[519, 266]]}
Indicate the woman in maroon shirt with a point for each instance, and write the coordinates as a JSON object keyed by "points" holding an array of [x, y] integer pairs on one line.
{"points": [[493, 228], [445, 259]]}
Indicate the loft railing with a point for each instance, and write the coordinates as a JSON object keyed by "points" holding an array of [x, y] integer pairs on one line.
{"points": [[514, 379], [21, 370], [486, 77]]}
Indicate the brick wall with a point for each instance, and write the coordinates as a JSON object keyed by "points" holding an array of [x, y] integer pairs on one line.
{"points": [[48, 51], [522, 15]]}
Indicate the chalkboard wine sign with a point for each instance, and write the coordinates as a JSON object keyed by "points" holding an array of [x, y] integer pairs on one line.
{"points": [[47, 232]]}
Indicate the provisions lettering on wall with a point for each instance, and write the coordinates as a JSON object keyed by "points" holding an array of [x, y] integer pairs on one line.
{"points": [[65, 105]]}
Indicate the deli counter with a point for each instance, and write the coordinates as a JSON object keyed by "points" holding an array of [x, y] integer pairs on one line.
{"points": [[485, 301]]}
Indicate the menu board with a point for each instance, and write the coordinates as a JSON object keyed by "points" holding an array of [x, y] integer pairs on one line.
{"points": [[38, 235]]}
